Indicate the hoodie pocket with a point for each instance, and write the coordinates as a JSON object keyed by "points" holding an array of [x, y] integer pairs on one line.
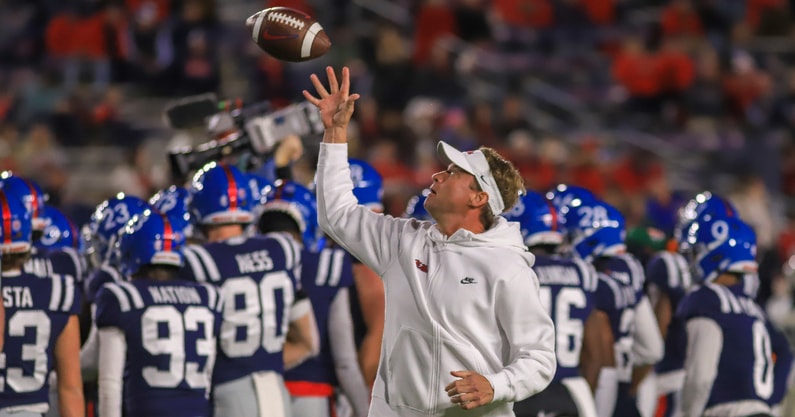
{"points": [[411, 370], [419, 369]]}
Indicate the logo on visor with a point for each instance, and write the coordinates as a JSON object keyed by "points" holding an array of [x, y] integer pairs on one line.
{"points": [[482, 178]]}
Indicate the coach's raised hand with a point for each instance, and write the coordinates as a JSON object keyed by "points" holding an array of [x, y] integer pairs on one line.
{"points": [[335, 104]]}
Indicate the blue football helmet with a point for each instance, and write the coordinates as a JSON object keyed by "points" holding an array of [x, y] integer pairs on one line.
{"points": [[722, 245], [174, 202], [220, 194], [368, 186], [150, 238], [16, 228], [29, 192], [260, 187], [59, 231], [106, 222], [595, 229], [537, 218], [563, 195], [704, 206], [415, 208], [300, 204]]}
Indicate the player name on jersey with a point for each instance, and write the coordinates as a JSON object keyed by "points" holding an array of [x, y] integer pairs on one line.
{"points": [[256, 261], [558, 274], [175, 295], [17, 297]]}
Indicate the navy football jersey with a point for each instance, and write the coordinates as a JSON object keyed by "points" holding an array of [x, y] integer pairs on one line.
{"points": [[620, 289], [323, 274], [258, 282], [98, 278], [567, 289], [745, 369], [37, 311], [669, 273], [170, 329]]}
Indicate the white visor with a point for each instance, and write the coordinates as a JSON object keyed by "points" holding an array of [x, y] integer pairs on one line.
{"points": [[475, 163]]}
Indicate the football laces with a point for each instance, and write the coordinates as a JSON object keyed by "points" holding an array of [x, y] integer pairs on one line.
{"points": [[285, 19]]}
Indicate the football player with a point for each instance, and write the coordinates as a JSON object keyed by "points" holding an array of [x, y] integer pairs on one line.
{"points": [[567, 288], [157, 334], [326, 277], [174, 202], [729, 365], [267, 325], [669, 278], [42, 332], [101, 238], [597, 234], [60, 242], [33, 198]]}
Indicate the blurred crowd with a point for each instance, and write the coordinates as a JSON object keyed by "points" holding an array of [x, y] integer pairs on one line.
{"points": [[682, 95]]}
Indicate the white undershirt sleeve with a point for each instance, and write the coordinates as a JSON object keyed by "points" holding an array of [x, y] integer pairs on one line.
{"points": [[112, 352], [343, 350], [704, 344], [648, 347]]}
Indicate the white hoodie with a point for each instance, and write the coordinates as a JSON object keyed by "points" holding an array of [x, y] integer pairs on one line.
{"points": [[465, 302]]}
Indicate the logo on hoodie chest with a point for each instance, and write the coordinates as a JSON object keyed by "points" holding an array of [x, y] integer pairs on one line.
{"points": [[421, 266]]}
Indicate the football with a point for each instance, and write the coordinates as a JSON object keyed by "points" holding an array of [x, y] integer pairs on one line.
{"points": [[288, 34]]}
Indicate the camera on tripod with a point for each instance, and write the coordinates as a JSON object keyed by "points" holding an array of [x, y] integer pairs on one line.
{"points": [[235, 128]]}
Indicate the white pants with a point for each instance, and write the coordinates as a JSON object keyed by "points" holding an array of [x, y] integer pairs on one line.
{"points": [[20, 414], [311, 407], [261, 394]]}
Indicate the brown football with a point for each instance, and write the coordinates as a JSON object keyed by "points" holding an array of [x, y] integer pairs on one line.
{"points": [[288, 34]]}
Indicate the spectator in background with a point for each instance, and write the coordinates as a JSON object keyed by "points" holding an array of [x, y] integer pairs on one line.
{"points": [[705, 97], [636, 169], [151, 51], [755, 206], [38, 151], [680, 18], [392, 70], [512, 117], [134, 177], [437, 78], [745, 87], [435, 20], [600, 12], [471, 21], [637, 71], [200, 70], [662, 205], [585, 169], [523, 22], [783, 111], [9, 136]]}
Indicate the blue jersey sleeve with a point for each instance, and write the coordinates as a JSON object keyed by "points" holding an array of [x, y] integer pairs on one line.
{"points": [[605, 296], [657, 273], [105, 274], [701, 302], [108, 312]]}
